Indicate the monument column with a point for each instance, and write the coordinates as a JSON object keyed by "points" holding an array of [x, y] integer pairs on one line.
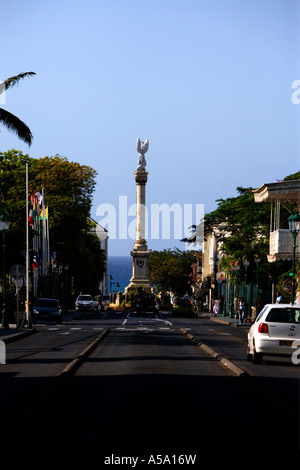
{"points": [[140, 253], [141, 180]]}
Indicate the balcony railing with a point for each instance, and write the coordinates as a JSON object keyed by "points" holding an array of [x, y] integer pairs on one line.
{"points": [[281, 245]]}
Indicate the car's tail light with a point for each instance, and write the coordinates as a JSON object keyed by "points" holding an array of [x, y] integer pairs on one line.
{"points": [[263, 328]]}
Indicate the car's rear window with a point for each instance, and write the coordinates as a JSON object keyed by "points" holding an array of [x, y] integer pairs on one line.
{"points": [[284, 315], [47, 303]]}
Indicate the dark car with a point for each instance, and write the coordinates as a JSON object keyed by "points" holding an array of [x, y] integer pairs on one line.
{"points": [[49, 309], [146, 302], [183, 306]]}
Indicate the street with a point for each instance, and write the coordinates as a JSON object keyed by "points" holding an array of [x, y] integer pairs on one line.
{"points": [[145, 387]]}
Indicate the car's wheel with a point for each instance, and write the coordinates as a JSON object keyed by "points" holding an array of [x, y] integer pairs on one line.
{"points": [[257, 357], [249, 355]]}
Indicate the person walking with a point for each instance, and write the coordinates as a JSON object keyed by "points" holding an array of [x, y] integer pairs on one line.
{"points": [[242, 309], [216, 307]]}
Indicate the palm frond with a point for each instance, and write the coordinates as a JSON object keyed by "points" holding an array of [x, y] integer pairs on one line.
{"points": [[10, 82], [14, 124]]}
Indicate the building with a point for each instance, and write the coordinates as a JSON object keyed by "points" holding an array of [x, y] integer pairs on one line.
{"points": [[281, 240], [102, 234]]}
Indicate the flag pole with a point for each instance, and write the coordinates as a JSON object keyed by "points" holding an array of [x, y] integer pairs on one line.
{"points": [[44, 260], [28, 316]]}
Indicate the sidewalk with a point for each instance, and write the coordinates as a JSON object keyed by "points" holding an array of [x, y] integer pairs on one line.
{"points": [[13, 333], [222, 319]]}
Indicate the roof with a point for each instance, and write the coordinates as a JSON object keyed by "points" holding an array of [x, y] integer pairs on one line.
{"points": [[280, 191]]}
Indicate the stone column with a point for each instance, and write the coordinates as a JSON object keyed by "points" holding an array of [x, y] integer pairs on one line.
{"points": [[140, 253]]}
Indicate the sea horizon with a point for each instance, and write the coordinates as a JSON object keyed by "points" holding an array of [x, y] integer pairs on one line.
{"points": [[120, 268]]}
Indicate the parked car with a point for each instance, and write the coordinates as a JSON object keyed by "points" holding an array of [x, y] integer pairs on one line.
{"points": [[105, 300], [146, 302], [183, 306], [84, 302], [275, 332], [49, 309]]}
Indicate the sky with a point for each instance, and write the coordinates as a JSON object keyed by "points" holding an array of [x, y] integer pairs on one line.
{"points": [[208, 82]]}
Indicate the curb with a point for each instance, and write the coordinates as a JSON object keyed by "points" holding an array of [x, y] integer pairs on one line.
{"points": [[238, 371], [15, 336], [71, 368], [223, 320]]}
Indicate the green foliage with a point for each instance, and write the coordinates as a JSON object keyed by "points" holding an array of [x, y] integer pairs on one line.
{"points": [[243, 224], [68, 189], [9, 120], [293, 176], [171, 269]]}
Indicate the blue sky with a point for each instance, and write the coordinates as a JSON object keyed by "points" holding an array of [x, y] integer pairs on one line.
{"points": [[208, 82]]}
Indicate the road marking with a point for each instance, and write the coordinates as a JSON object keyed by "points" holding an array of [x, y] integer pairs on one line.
{"points": [[77, 328], [124, 322]]}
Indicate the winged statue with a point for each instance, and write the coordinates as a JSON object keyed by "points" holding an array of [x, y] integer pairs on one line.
{"points": [[142, 148]]}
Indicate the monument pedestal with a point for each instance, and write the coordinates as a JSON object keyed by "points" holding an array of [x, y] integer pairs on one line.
{"points": [[140, 253]]}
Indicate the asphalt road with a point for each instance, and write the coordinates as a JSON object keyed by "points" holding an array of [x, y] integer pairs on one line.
{"points": [[145, 388]]}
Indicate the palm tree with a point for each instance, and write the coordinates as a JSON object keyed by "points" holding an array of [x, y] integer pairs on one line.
{"points": [[11, 122]]}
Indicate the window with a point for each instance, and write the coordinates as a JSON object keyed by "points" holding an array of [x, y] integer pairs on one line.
{"points": [[284, 315]]}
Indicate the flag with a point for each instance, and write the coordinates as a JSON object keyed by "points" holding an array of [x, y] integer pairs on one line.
{"points": [[30, 216], [40, 197], [46, 214], [35, 207], [35, 263]]}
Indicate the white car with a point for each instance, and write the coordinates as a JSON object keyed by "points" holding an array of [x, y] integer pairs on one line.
{"points": [[84, 302], [275, 332]]}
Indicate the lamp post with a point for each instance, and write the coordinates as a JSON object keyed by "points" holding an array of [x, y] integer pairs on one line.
{"points": [[257, 261], [294, 226], [246, 264], [4, 225], [231, 314]]}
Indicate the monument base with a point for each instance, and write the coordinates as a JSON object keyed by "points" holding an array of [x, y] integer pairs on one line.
{"points": [[140, 270]]}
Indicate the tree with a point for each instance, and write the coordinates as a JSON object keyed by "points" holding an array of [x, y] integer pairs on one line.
{"points": [[243, 225], [171, 269], [9, 120], [68, 189]]}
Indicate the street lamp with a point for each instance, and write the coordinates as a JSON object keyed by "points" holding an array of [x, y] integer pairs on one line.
{"points": [[111, 283], [118, 285], [294, 226], [4, 225]]}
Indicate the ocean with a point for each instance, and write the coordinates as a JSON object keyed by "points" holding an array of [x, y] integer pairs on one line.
{"points": [[120, 267]]}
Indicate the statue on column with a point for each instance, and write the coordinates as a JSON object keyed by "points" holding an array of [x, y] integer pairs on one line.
{"points": [[142, 148]]}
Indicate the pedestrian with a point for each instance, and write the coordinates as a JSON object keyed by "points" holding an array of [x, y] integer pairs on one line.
{"points": [[242, 309], [259, 304], [278, 298], [216, 307]]}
